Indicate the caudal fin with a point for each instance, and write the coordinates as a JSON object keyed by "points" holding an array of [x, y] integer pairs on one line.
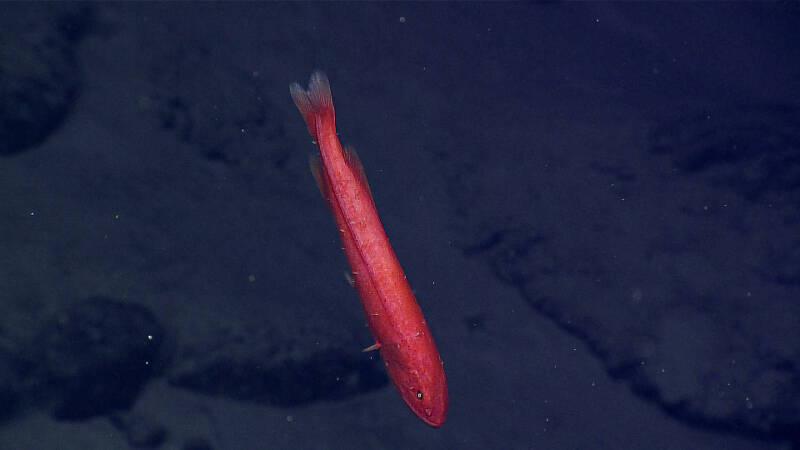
{"points": [[314, 102]]}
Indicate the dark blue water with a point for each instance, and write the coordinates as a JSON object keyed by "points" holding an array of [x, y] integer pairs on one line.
{"points": [[597, 205]]}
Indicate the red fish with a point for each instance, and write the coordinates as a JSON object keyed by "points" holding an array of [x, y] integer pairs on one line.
{"points": [[393, 315]]}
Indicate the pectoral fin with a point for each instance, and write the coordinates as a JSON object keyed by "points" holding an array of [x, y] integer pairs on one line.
{"points": [[372, 347]]}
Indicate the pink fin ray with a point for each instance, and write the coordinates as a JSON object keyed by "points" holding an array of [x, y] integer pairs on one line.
{"points": [[354, 163], [372, 347]]}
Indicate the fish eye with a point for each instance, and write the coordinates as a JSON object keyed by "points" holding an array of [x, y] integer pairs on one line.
{"points": [[419, 395]]}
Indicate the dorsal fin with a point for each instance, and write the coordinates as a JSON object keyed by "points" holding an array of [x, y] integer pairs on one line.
{"points": [[354, 162]]}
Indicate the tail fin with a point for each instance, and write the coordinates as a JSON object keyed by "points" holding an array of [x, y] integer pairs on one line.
{"points": [[314, 102]]}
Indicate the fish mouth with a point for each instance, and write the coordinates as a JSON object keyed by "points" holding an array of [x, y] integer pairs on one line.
{"points": [[434, 423], [428, 416]]}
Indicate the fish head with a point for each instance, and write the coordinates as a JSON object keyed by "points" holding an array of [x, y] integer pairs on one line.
{"points": [[419, 377]]}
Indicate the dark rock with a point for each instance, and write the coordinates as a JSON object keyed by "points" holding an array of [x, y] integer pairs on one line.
{"points": [[196, 444], [263, 368], [229, 123], [96, 355], [753, 149], [39, 76], [9, 388], [140, 430]]}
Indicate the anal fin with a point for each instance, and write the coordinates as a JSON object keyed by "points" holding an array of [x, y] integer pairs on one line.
{"points": [[315, 163], [372, 347]]}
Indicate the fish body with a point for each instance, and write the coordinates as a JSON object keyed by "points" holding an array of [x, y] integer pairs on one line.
{"points": [[393, 315]]}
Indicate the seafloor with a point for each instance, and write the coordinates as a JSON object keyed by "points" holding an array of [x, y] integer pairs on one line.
{"points": [[597, 204]]}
